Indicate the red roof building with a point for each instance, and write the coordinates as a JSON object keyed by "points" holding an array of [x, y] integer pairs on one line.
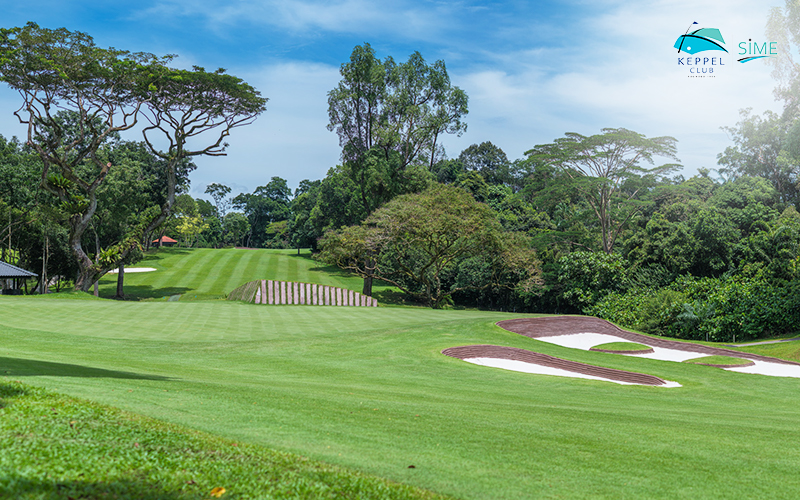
{"points": [[165, 241]]}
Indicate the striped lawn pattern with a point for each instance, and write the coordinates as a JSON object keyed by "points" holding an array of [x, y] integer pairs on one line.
{"points": [[204, 273]]}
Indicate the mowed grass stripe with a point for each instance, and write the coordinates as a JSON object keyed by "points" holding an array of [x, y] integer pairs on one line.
{"points": [[205, 268], [203, 274], [229, 264], [368, 388]]}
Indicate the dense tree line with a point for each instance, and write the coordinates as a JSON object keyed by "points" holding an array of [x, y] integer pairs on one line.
{"points": [[601, 224]]}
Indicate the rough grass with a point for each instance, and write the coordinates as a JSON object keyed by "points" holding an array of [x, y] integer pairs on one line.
{"points": [[60, 447]]}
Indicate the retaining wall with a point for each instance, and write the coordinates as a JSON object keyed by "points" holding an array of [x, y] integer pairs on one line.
{"points": [[272, 292]]}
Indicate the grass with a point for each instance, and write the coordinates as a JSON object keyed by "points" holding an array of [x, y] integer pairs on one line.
{"points": [[719, 360], [784, 350], [205, 273], [125, 456], [622, 346], [368, 389]]}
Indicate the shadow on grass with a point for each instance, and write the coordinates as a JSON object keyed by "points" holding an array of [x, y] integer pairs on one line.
{"points": [[141, 292], [15, 486], [31, 368], [9, 391]]}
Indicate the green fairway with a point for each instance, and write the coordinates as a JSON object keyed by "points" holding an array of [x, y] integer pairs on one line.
{"points": [[367, 388], [206, 273]]}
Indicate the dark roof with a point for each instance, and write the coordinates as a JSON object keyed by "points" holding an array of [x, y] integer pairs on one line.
{"points": [[9, 271]]}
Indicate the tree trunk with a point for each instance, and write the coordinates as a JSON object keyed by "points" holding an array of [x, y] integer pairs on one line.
{"points": [[120, 279], [370, 268], [43, 283]]}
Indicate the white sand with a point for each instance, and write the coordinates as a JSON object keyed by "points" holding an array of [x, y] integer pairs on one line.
{"points": [[767, 368], [586, 341], [134, 270], [521, 366]]}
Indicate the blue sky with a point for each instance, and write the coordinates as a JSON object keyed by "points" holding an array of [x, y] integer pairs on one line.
{"points": [[532, 70]]}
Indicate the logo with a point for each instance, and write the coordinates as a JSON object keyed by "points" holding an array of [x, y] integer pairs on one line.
{"points": [[701, 40], [753, 50]]}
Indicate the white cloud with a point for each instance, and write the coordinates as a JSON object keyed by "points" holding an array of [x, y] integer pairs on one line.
{"points": [[623, 72], [289, 140]]}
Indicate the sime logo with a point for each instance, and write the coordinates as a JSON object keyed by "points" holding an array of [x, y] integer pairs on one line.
{"points": [[701, 40], [754, 50]]}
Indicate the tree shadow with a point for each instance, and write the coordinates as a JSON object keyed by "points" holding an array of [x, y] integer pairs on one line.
{"points": [[8, 391], [18, 367], [141, 292], [65, 489]]}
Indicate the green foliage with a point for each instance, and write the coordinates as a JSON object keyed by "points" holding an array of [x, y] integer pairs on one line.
{"points": [[432, 245], [586, 277], [715, 309], [606, 171]]}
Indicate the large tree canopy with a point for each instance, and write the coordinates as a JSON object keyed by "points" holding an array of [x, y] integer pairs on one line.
{"points": [[76, 96], [429, 245], [602, 167]]}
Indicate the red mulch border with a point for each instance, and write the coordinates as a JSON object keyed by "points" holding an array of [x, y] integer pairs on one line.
{"points": [[515, 354], [552, 326]]}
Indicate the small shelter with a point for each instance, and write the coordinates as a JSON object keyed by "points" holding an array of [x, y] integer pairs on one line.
{"points": [[11, 276], [164, 241]]}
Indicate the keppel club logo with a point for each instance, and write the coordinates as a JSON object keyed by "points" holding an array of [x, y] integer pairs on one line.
{"points": [[701, 40]]}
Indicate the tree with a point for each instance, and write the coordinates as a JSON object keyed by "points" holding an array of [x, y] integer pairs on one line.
{"points": [[604, 169], [765, 148], [388, 117], [488, 160], [103, 89], [418, 241], [393, 107], [266, 205], [219, 192], [783, 27], [185, 105]]}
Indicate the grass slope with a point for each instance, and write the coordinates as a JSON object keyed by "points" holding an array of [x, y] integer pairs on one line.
{"points": [[125, 456], [205, 273], [367, 388]]}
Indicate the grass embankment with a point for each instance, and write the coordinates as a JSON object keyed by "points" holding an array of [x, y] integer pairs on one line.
{"points": [[622, 347], [55, 446], [367, 388], [784, 350], [719, 361], [205, 273]]}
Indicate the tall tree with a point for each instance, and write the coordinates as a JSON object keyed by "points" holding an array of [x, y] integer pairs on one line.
{"points": [[488, 160], [388, 117], [103, 89], [185, 106], [602, 167], [219, 192], [764, 147]]}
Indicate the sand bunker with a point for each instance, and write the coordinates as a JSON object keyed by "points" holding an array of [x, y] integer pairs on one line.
{"points": [[134, 270], [564, 331], [521, 360]]}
